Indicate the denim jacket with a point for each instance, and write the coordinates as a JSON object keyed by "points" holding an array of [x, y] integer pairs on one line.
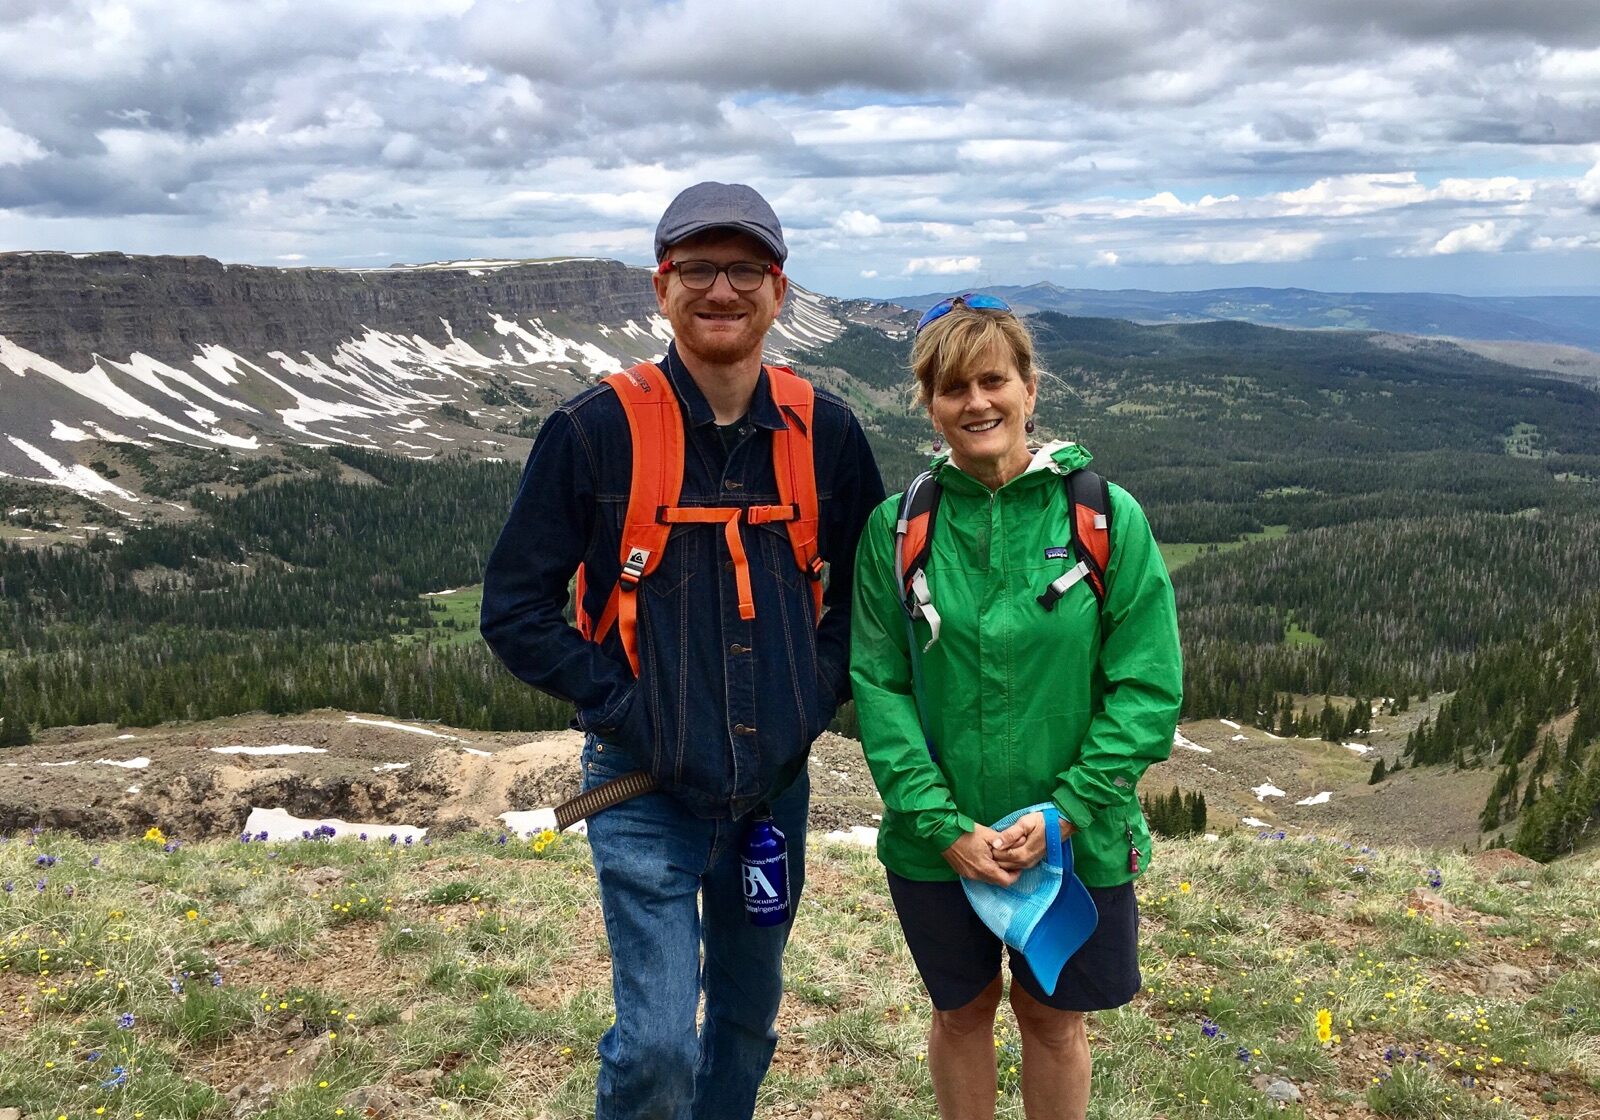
{"points": [[724, 710]]}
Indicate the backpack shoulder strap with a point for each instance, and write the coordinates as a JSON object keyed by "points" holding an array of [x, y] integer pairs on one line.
{"points": [[794, 464], [1089, 500], [913, 544], [655, 428], [1089, 519]]}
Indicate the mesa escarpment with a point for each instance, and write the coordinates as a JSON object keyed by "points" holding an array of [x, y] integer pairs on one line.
{"points": [[70, 307]]}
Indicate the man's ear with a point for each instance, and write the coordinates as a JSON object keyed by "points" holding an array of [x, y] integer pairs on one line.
{"points": [[659, 281], [781, 290]]}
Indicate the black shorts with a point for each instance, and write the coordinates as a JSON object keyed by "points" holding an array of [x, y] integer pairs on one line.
{"points": [[959, 957]]}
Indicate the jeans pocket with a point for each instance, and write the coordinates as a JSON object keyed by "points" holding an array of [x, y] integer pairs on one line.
{"points": [[597, 767]]}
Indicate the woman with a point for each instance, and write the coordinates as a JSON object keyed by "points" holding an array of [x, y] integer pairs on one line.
{"points": [[1023, 704]]}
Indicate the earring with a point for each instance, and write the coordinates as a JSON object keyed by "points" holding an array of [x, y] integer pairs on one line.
{"points": [[938, 442], [1028, 427]]}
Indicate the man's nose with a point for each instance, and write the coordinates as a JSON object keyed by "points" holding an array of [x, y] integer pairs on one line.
{"points": [[722, 289]]}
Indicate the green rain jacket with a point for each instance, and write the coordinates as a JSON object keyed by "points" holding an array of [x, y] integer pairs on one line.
{"points": [[1026, 705]]}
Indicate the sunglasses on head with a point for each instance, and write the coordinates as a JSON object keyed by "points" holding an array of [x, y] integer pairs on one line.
{"points": [[966, 299]]}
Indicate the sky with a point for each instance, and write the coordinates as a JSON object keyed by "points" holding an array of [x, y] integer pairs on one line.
{"points": [[907, 145]]}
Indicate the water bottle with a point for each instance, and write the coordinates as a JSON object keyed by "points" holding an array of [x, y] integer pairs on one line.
{"points": [[764, 855]]}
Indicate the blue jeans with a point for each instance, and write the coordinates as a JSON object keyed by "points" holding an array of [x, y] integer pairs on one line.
{"points": [[670, 887]]}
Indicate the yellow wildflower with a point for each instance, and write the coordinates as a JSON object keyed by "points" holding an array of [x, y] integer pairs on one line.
{"points": [[1324, 1025], [155, 835]]}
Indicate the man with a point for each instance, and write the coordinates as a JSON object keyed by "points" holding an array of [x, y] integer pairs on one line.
{"points": [[709, 670]]}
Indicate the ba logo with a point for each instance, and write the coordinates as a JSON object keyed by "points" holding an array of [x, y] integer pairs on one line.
{"points": [[638, 558], [639, 379], [756, 883]]}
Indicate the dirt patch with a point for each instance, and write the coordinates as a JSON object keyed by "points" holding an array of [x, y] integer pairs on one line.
{"points": [[389, 772], [106, 782]]}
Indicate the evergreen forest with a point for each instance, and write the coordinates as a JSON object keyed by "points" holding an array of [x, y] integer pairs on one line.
{"points": [[1429, 521]]}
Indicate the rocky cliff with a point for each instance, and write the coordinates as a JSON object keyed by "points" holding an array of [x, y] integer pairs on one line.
{"points": [[70, 307], [104, 350]]}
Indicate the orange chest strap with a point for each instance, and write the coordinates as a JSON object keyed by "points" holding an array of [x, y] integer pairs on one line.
{"points": [[655, 427]]}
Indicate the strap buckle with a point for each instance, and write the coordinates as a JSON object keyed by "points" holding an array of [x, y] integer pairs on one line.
{"points": [[633, 568]]}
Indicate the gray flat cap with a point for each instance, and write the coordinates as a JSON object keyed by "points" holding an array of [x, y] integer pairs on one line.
{"points": [[720, 206]]}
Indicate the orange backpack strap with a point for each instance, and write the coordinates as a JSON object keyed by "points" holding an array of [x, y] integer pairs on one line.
{"points": [[655, 426], [795, 466], [1089, 519]]}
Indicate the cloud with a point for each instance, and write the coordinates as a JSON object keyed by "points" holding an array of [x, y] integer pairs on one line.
{"points": [[1035, 139], [1479, 237], [17, 147], [1589, 190], [942, 266], [855, 223]]}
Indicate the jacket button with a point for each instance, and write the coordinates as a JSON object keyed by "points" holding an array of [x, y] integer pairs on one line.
{"points": [[737, 648], [599, 748], [741, 729], [732, 484]]}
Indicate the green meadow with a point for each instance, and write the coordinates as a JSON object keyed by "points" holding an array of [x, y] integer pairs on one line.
{"points": [[469, 978]]}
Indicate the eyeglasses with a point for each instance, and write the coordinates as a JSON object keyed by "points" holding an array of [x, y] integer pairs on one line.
{"points": [[966, 299], [701, 276]]}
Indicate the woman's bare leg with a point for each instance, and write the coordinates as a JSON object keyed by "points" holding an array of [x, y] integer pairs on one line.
{"points": [[1055, 1059], [961, 1057]]}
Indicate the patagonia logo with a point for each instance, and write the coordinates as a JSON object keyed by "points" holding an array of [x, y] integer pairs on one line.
{"points": [[1060, 552]]}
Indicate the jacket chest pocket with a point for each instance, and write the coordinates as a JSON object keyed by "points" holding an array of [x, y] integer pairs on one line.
{"points": [[771, 541]]}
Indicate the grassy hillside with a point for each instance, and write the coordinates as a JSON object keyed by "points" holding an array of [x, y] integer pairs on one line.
{"points": [[469, 978]]}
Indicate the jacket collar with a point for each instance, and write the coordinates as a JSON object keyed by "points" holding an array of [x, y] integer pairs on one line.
{"points": [[1058, 457], [764, 413]]}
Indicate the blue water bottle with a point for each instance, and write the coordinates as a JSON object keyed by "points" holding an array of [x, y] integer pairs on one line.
{"points": [[765, 856]]}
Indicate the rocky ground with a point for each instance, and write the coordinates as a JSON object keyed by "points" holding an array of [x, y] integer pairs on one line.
{"points": [[103, 781]]}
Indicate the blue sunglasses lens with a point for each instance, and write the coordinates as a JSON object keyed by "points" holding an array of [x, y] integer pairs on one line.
{"points": [[969, 299]]}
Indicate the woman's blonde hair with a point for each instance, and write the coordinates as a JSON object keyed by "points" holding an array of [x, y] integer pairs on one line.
{"points": [[961, 338]]}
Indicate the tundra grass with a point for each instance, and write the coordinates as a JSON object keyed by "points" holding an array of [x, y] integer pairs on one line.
{"points": [[470, 978]]}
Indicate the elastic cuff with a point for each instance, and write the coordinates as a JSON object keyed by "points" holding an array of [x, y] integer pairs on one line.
{"points": [[955, 826], [1074, 808]]}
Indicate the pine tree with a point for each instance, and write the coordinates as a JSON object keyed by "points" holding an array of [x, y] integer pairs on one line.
{"points": [[1378, 772]]}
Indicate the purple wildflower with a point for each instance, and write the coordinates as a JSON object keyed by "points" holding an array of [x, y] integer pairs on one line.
{"points": [[46, 861], [8, 886], [1435, 880], [42, 884], [1242, 1054], [216, 979], [171, 846], [125, 1021], [1210, 1029], [118, 1078], [69, 890], [95, 862]]}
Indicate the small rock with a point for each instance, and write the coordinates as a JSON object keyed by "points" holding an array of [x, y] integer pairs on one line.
{"points": [[1506, 981], [1424, 901], [408, 1016], [10, 1114], [378, 1102], [1277, 1089], [294, 1028]]}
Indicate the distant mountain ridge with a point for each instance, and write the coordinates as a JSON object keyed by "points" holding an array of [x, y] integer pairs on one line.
{"points": [[417, 360], [1567, 320]]}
